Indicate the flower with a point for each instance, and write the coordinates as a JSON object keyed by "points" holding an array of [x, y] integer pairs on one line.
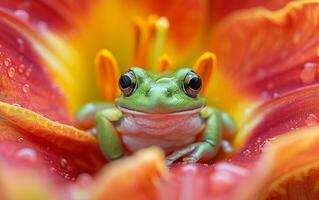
{"points": [[267, 78]]}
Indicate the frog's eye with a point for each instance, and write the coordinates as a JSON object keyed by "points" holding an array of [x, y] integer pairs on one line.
{"points": [[192, 84], [127, 83]]}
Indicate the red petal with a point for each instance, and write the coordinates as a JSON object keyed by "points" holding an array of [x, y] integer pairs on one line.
{"points": [[26, 81]]}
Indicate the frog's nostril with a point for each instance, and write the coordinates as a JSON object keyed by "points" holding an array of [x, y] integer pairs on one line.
{"points": [[168, 93]]}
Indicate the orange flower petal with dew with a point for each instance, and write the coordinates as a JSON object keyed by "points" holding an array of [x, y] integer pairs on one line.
{"points": [[264, 54]]}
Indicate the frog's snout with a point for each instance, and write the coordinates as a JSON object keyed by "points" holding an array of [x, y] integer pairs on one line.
{"points": [[163, 87]]}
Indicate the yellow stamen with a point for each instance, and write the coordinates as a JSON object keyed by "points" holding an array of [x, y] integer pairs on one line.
{"points": [[64, 136], [204, 67], [165, 63], [141, 32], [150, 36], [161, 26], [107, 73]]}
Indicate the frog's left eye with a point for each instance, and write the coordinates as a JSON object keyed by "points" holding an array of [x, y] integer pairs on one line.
{"points": [[127, 83], [192, 84]]}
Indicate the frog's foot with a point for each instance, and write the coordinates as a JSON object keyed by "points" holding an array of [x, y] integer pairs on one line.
{"points": [[180, 153], [194, 152]]}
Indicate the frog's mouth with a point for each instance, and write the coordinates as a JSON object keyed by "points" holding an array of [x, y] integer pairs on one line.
{"points": [[160, 123], [160, 112]]}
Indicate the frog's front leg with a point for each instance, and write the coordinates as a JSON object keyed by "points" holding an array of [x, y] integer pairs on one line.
{"points": [[208, 147], [108, 138], [85, 116]]}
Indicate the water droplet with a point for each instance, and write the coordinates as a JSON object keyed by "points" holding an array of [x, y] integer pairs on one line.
{"points": [[20, 140], [7, 62], [22, 14], [11, 72], [258, 140], [311, 120], [275, 94], [308, 74], [28, 72], [84, 179], [25, 88], [67, 176], [21, 68], [16, 104], [42, 25], [69, 168], [21, 44], [190, 168], [265, 95], [27, 154], [63, 162], [53, 169], [247, 152]]}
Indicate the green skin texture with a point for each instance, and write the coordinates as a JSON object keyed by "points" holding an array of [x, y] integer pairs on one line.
{"points": [[168, 96]]}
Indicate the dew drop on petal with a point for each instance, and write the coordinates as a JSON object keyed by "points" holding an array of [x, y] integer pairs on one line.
{"points": [[308, 74], [27, 154], [25, 88], [20, 140], [16, 104], [42, 25], [7, 62], [63, 162], [21, 68], [22, 14], [53, 170], [247, 152], [84, 179], [265, 95], [311, 120], [28, 72], [189, 168], [11, 72]]}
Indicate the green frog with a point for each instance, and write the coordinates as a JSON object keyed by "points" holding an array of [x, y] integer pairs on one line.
{"points": [[160, 109]]}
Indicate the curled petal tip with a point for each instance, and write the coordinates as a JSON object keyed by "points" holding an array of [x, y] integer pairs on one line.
{"points": [[135, 177]]}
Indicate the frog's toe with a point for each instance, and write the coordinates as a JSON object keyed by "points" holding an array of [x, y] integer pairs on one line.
{"points": [[169, 162], [190, 159], [180, 153]]}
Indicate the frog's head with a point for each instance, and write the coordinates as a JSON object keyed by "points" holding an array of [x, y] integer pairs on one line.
{"points": [[166, 92]]}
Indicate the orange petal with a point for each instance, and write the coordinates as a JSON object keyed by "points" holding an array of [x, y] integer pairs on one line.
{"points": [[107, 73], [264, 53], [220, 9], [294, 110], [288, 167], [63, 136], [135, 177], [30, 185]]}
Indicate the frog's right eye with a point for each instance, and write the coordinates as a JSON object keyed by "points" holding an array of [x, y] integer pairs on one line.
{"points": [[127, 83]]}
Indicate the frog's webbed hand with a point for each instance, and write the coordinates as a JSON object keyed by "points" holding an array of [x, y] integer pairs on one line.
{"points": [[85, 116], [210, 144], [107, 136]]}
